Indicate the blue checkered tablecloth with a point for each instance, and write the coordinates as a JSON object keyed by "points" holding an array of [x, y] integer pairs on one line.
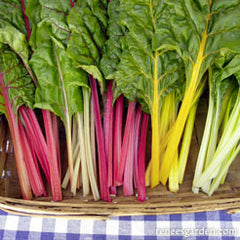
{"points": [[206, 225]]}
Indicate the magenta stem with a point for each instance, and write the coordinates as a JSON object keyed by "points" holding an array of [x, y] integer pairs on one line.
{"points": [[128, 171], [100, 142], [72, 3], [141, 159], [37, 138], [136, 144], [107, 117], [31, 164], [108, 132], [13, 125], [117, 136], [26, 20], [56, 139], [53, 162], [127, 131]]}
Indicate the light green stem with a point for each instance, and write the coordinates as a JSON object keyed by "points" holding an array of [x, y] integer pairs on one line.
{"points": [[90, 164]]}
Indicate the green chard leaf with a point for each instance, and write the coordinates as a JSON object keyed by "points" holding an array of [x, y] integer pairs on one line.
{"points": [[15, 40], [58, 81], [54, 13], [142, 73], [11, 12], [113, 46], [17, 81], [33, 12], [199, 31], [87, 22], [14, 65], [81, 29]]}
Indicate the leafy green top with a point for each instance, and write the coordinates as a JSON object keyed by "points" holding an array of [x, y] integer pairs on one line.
{"points": [[17, 82], [199, 31], [141, 69]]}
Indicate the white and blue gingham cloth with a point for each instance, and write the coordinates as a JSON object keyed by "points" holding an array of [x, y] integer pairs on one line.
{"points": [[200, 226]]}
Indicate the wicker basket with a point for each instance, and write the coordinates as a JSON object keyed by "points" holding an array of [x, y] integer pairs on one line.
{"points": [[160, 200]]}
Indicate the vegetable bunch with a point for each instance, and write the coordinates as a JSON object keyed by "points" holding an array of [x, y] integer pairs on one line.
{"points": [[86, 62]]}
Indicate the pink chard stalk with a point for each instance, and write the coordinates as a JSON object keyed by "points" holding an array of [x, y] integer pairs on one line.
{"points": [[50, 158], [102, 160]]}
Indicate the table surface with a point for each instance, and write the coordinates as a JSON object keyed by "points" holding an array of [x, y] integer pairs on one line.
{"points": [[205, 225]]}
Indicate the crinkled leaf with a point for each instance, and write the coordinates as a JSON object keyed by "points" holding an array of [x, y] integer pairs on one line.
{"points": [[87, 23], [141, 69], [54, 13], [15, 40], [113, 47], [98, 9], [58, 81], [221, 80], [16, 79], [199, 31], [11, 12], [232, 67]]}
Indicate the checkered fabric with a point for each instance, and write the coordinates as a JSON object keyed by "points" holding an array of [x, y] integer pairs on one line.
{"points": [[207, 225]]}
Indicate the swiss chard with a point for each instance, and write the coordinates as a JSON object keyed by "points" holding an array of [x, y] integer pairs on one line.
{"points": [[87, 22], [219, 148], [58, 88], [16, 16], [16, 89], [198, 32], [51, 32]]}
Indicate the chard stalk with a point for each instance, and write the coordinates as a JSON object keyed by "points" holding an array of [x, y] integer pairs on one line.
{"points": [[165, 118], [67, 121], [57, 143], [100, 141], [136, 144], [125, 144], [224, 169], [53, 163], [31, 164], [203, 148], [37, 139], [108, 132], [75, 154], [141, 159], [13, 125], [90, 159], [26, 20], [173, 176], [155, 166], [204, 145], [128, 170], [226, 146], [82, 159], [117, 135], [221, 153], [212, 143], [189, 95], [93, 138]]}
